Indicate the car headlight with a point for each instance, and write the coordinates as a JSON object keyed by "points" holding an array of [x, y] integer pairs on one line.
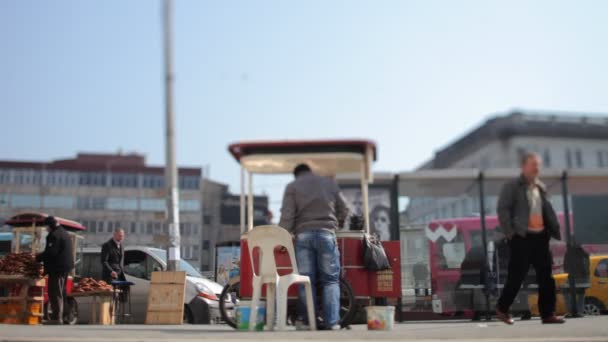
{"points": [[205, 292]]}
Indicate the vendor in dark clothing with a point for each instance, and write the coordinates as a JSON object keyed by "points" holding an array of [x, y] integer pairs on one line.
{"points": [[58, 260], [112, 253]]}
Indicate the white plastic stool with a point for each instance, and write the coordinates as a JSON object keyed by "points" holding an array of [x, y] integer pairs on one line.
{"points": [[267, 238]]}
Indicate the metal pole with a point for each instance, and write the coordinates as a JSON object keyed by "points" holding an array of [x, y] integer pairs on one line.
{"points": [[396, 234], [250, 203], [243, 210], [484, 238], [571, 280], [365, 195], [173, 250]]}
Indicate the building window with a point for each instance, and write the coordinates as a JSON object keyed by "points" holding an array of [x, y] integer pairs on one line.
{"points": [[4, 200], [65, 202], [547, 158], [569, 161], [602, 159], [92, 227], [579, 158], [195, 253], [5, 176], [189, 182], [91, 203], [149, 228], [27, 177], [153, 181], [25, 201], [189, 205], [152, 204], [118, 203], [195, 229], [206, 219], [92, 179], [124, 180]]}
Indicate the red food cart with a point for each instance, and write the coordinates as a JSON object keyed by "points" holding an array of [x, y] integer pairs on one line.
{"points": [[29, 236], [359, 286]]}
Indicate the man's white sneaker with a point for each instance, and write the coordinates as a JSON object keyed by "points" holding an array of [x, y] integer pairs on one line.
{"points": [[336, 327]]}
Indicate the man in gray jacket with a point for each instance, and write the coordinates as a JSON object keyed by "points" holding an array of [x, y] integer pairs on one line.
{"points": [[528, 221], [313, 208]]}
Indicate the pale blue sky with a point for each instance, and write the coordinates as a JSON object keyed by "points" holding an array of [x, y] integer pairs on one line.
{"points": [[412, 75]]}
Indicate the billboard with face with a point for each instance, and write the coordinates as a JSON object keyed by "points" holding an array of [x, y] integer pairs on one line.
{"points": [[379, 208]]}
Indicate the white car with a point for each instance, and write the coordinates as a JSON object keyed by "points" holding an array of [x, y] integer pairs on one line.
{"points": [[201, 304]]}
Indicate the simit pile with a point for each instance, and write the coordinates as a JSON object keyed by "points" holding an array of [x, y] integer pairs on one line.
{"points": [[91, 285], [21, 264]]}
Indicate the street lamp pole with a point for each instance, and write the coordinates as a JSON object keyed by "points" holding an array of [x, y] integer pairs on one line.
{"points": [[173, 250]]}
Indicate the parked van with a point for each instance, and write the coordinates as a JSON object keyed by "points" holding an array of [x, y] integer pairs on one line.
{"points": [[201, 304]]}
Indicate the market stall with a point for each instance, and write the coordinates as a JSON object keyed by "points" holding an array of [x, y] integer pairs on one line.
{"points": [[22, 289], [20, 267], [359, 287]]}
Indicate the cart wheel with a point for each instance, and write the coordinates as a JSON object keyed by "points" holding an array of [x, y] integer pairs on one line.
{"points": [[348, 306], [229, 300]]}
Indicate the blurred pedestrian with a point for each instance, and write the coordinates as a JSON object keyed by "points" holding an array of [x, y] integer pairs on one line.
{"points": [[528, 221], [58, 260], [577, 265]]}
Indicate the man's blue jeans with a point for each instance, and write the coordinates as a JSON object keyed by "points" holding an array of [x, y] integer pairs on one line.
{"points": [[318, 257]]}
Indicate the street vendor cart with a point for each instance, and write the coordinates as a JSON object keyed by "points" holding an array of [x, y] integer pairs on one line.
{"points": [[359, 286], [29, 236]]}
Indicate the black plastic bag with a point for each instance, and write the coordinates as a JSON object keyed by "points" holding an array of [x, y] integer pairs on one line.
{"points": [[374, 256]]}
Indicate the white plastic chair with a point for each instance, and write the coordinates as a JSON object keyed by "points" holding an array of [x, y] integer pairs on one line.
{"points": [[267, 238]]}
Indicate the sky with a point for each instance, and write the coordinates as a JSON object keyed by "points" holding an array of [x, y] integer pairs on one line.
{"points": [[411, 75]]}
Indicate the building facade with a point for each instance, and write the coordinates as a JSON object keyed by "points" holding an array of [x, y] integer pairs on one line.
{"points": [[222, 219], [563, 141], [104, 192]]}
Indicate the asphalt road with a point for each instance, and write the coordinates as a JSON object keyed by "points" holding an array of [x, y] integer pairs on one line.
{"points": [[586, 329]]}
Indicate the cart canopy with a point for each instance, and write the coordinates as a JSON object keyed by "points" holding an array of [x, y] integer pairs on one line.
{"points": [[37, 219], [328, 157]]}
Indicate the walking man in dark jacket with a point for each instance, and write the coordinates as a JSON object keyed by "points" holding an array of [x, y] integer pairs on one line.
{"points": [[112, 253], [313, 208], [528, 221], [58, 259]]}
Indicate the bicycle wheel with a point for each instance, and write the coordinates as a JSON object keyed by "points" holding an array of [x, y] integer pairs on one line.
{"points": [[228, 301]]}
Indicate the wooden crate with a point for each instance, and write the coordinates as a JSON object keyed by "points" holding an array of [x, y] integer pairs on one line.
{"points": [[166, 298], [101, 306], [25, 300]]}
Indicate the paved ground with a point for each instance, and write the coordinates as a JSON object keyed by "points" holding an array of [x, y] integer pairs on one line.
{"points": [[586, 329]]}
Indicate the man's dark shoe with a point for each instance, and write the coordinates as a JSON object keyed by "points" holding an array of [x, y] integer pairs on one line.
{"points": [[554, 320], [504, 317], [52, 322]]}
